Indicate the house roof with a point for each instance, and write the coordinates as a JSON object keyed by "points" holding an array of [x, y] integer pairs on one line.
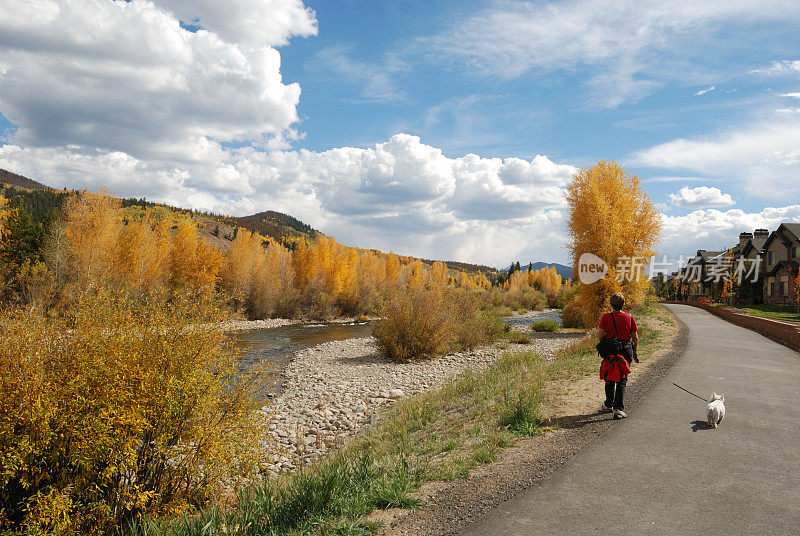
{"points": [[792, 228], [706, 255], [756, 243], [792, 266]]}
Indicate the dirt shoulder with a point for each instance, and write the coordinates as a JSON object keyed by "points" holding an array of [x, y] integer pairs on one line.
{"points": [[572, 404]]}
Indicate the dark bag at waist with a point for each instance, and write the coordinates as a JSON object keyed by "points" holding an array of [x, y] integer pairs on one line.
{"points": [[614, 346]]}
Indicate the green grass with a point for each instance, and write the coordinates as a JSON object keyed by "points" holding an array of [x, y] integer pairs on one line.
{"points": [[438, 435], [517, 337], [545, 325], [775, 312]]}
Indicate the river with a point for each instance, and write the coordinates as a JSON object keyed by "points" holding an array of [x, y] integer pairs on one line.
{"points": [[278, 345]]}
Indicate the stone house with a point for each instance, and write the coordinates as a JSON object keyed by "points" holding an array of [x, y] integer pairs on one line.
{"points": [[698, 274], [781, 255], [750, 248]]}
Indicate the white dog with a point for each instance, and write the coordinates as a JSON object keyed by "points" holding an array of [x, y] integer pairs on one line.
{"points": [[716, 410]]}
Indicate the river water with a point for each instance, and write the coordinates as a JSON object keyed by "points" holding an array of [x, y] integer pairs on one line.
{"points": [[524, 321], [278, 345]]}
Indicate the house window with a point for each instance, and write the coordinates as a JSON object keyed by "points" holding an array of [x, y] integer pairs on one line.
{"points": [[781, 289], [771, 257], [772, 289], [795, 252]]}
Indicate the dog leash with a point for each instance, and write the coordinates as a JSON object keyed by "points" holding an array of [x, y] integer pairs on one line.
{"points": [[688, 391]]}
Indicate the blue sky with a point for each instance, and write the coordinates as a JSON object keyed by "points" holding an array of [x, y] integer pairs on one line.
{"points": [[444, 130]]}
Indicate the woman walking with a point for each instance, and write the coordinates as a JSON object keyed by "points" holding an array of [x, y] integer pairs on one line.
{"points": [[615, 367]]}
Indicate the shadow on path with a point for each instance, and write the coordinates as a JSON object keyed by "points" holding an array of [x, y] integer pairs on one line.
{"points": [[700, 425], [579, 421]]}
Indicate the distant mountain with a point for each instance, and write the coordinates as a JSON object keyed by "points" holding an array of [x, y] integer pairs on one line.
{"points": [[563, 271], [18, 181]]}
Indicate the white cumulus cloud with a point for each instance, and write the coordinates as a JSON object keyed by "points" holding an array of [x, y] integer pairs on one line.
{"points": [[700, 197], [715, 230], [762, 158], [124, 76], [251, 22]]}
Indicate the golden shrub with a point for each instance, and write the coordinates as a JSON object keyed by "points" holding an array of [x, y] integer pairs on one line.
{"points": [[432, 321], [416, 323], [572, 315], [124, 405]]}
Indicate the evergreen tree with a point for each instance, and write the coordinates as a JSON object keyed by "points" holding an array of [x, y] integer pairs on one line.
{"points": [[22, 239]]}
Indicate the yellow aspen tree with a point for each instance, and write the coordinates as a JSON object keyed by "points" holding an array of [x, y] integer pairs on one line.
{"points": [[438, 275], [239, 266], [370, 276], [392, 269], [417, 276], [517, 280], [273, 291], [347, 280], [194, 263], [143, 253], [610, 216], [301, 264], [92, 226]]}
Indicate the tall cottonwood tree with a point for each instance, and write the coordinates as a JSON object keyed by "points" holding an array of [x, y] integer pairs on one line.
{"points": [[92, 225], [610, 216]]}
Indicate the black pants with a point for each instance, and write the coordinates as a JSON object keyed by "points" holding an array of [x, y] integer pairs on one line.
{"points": [[615, 393]]}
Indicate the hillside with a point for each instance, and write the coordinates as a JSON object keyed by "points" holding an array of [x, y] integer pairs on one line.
{"points": [[274, 224], [219, 230], [18, 181]]}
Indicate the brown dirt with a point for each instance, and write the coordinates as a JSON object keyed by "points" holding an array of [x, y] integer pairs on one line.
{"points": [[574, 406]]}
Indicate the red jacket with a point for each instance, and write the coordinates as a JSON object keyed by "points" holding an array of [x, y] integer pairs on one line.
{"points": [[614, 369]]}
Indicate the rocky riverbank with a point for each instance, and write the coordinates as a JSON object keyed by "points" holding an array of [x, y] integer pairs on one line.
{"points": [[332, 390], [534, 314], [248, 325], [270, 323]]}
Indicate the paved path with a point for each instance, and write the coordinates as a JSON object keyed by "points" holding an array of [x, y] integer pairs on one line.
{"points": [[662, 471]]}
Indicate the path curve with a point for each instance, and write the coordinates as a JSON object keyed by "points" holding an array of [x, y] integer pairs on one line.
{"points": [[661, 471]]}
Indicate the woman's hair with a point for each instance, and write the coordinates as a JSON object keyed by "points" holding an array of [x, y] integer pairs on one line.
{"points": [[617, 301]]}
